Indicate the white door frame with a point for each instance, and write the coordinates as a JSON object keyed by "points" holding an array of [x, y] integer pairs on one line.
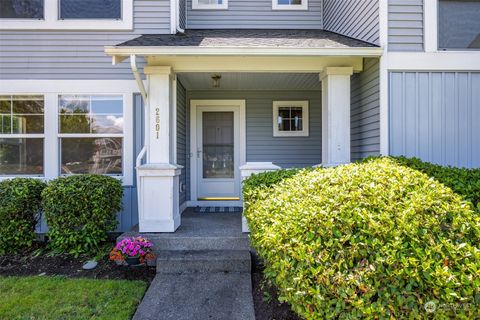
{"points": [[194, 104]]}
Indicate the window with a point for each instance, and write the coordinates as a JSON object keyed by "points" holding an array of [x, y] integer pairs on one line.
{"points": [[290, 4], [459, 24], [90, 9], [209, 4], [66, 14], [25, 9], [290, 118], [21, 135], [91, 134]]}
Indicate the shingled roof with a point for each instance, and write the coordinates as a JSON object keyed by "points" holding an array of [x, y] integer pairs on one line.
{"points": [[248, 38]]}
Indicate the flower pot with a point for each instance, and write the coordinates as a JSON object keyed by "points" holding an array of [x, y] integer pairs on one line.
{"points": [[132, 261]]}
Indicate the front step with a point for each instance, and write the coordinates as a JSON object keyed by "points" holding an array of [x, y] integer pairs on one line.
{"points": [[210, 261]]}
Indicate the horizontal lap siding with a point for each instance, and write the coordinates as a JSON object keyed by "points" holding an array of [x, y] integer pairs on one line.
{"points": [[76, 54], [365, 111], [255, 14], [357, 19], [182, 137], [261, 145], [435, 116], [405, 25]]}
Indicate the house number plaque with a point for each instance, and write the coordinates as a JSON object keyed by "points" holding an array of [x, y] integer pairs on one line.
{"points": [[157, 123]]}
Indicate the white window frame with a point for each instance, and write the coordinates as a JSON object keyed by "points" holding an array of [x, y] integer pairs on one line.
{"points": [[51, 90], [305, 118], [198, 6], [52, 21], [28, 136], [276, 6]]}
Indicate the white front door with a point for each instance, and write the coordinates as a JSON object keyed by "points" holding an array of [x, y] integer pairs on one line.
{"points": [[216, 150]]}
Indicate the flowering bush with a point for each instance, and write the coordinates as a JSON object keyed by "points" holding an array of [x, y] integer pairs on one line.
{"points": [[134, 247]]}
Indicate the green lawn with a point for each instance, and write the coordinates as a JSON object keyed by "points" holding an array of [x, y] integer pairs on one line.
{"points": [[62, 298]]}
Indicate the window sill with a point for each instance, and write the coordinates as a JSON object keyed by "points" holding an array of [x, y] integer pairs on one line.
{"points": [[74, 24]]}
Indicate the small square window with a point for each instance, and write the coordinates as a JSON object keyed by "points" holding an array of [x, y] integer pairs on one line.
{"points": [[290, 118], [25, 9], [290, 4], [209, 4], [459, 25]]}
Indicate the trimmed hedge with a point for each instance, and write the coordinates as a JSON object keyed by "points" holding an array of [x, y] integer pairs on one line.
{"points": [[80, 210], [20, 200], [369, 240]]}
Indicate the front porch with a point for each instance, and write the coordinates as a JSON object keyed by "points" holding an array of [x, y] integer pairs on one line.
{"points": [[215, 114]]}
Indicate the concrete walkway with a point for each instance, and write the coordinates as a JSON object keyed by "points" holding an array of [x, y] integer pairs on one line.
{"points": [[203, 271]]}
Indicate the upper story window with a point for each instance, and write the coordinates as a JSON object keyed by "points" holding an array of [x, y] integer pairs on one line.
{"points": [[90, 9], [459, 24], [66, 14], [290, 4], [209, 4], [27, 9]]}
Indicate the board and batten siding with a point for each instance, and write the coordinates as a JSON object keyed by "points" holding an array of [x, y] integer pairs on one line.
{"points": [[32, 54], [255, 14], [285, 152], [357, 19], [405, 25], [435, 115], [182, 139], [365, 111]]}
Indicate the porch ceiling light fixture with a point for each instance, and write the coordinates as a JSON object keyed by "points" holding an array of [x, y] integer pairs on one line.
{"points": [[216, 81]]}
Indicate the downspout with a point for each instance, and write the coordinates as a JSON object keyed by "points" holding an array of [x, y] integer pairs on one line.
{"points": [[179, 29], [143, 92]]}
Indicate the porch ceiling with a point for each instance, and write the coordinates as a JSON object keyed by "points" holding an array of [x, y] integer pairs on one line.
{"points": [[252, 81]]}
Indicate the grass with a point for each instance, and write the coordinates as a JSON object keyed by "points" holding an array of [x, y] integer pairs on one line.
{"points": [[43, 297]]}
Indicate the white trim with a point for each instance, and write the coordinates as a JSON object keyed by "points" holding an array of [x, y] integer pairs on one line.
{"points": [[174, 16], [51, 89], [384, 87], [431, 25], [434, 61], [218, 6], [302, 6], [305, 118], [52, 21], [241, 104]]}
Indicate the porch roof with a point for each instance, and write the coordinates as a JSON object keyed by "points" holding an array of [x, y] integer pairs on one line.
{"points": [[246, 42]]}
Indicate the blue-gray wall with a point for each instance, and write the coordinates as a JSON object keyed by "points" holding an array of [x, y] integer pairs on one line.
{"points": [[261, 145], [255, 14], [405, 25], [182, 150], [365, 111], [435, 116], [36, 54], [353, 18]]}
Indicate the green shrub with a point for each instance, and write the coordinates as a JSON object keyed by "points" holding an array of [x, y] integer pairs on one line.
{"points": [[374, 240], [465, 182], [20, 201], [80, 210]]}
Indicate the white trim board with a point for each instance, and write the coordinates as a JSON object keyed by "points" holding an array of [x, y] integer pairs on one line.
{"points": [[241, 104], [434, 61]]}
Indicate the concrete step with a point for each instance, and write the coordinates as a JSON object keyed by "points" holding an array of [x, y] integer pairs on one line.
{"points": [[178, 242], [203, 261]]}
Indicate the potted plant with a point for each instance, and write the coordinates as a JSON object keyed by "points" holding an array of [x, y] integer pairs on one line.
{"points": [[132, 251]]}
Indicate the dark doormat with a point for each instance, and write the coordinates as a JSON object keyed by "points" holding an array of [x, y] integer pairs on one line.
{"points": [[217, 209]]}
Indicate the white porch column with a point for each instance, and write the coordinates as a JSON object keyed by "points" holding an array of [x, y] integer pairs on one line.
{"points": [[247, 170], [336, 115], [159, 177]]}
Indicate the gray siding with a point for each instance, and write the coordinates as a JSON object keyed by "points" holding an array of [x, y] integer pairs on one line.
{"points": [[435, 116], [405, 25], [261, 145], [76, 54], [365, 111], [255, 14], [182, 137], [357, 19]]}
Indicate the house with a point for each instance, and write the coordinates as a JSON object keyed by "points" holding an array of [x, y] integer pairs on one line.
{"points": [[204, 92]]}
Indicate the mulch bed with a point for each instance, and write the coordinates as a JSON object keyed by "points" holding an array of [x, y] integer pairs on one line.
{"points": [[27, 264]]}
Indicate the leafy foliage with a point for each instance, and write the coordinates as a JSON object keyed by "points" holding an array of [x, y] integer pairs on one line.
{"points": [[20, 200], [80, 210], [369, 240]]}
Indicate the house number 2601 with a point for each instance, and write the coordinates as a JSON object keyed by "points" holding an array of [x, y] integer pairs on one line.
{"points": [[157, 122]]}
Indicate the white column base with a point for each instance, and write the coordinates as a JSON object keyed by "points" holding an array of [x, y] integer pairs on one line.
{"points": [[158, 202], [254, 168]]}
